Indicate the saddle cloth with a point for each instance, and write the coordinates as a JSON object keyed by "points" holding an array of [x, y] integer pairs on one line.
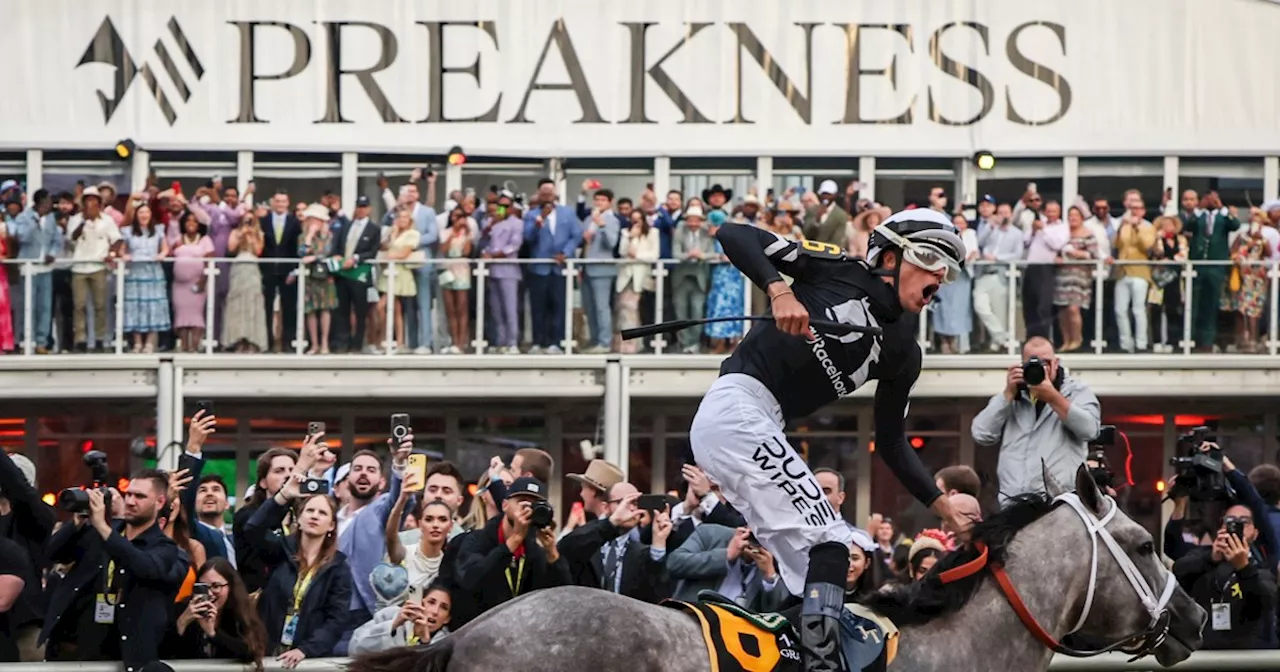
{"points": [[738, 640]]}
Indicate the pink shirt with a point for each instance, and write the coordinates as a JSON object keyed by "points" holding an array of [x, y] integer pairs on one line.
{"points": [[1044, 245]]}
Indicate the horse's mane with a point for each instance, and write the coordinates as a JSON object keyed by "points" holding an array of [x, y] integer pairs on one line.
{"points": [[919, 602]]}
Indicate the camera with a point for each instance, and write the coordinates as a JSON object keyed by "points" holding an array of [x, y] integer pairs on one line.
{"points": [[314, 486], [1235, 526], [542, 515], [76, 500], [1033, 371], [1101, 473], [1199, 473]]}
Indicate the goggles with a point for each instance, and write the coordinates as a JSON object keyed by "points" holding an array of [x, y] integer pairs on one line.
{"points": [[924, 255]]}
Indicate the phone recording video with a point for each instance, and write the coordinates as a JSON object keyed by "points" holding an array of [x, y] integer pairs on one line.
{"points": [[315, 428], [417, 466]]}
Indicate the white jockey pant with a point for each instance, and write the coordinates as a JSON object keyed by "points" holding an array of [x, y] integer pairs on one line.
{"points": [[738, 440]]}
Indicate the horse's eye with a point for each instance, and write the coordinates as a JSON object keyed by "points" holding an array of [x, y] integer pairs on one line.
{"points": [[1148, 548]]}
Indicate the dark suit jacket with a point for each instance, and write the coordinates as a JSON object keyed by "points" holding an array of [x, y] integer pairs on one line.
{"points": [[28, 525], [483, 562], [249, 562], [642, 577], [286, 249], [366, 248], [214, 547], [150, 568]]}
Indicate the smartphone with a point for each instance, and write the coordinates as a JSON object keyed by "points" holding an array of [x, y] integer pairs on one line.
{"points": [[653, 502], [399, 427], [315, 428], [200, 593], [176, 186], [1235, 526], [593, 184], [206, 406], [417, 465], [1031, 187]]}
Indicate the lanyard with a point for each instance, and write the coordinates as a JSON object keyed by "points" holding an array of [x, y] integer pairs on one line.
{"points": [[109, 581], [518, 565], [299, 590]]}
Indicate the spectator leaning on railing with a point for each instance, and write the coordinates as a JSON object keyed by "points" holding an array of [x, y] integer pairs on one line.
{"points": [[27, 522], [220, 622], [1206, 224], [600, 232], [1000, 243], [1051, 421], [40, 240], [418, 621]]}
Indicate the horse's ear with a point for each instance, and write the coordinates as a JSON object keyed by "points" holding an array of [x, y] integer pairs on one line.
{"points": [[1051, 485], [1087, 490]]}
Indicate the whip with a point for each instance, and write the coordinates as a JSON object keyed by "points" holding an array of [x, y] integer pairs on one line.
{"points": [[833, 328]]}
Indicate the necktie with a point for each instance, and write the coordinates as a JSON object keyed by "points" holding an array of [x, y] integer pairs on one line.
{"points": [[278, 225], [610, 566]]}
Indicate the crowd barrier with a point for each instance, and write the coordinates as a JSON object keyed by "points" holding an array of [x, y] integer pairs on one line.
{"points": [[1200, 661], [661, 271]]}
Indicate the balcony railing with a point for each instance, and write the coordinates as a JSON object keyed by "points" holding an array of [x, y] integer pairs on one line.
{"points": [[660, 271]]}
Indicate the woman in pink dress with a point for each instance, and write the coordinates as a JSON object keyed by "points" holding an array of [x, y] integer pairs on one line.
{"points": [[189, 282], [6, 317]]}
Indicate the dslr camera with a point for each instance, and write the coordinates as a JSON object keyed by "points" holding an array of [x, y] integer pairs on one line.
{"points": [[76, 500], [1033, 372], [1199, 473], [1097, 459], [542, 516]]}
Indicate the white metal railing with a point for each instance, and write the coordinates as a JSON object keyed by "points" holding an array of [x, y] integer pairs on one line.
{"points": [[661, 272]]}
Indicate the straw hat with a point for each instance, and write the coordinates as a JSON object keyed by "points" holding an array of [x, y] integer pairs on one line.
{"points": [[600, 475], [316, 211]]}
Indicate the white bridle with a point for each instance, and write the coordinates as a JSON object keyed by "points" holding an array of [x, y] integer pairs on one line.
{"points": [[1097, 528]]}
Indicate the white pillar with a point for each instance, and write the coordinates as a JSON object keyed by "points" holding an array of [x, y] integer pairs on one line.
{"points": [[452, 179], [1170, 177], [867, 176], [35, 170], [555, 171], [244, 173], [1270, 177], [176, 417], [967, 182], [350, 180], [164, 405], [1070, 179], [624, 419], [613, 414], [764, 177], [661, 177], [140, 167]]}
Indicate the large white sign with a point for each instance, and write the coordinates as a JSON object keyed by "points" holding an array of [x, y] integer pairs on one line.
{"points": [[646, 77]]}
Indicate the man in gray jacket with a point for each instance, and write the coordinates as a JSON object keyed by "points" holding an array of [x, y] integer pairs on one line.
{"points": [[1052, 421], [728, 561], [693, 246], [599, 238]]}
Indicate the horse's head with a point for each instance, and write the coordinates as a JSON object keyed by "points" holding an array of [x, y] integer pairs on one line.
{"points": [[1139, 598]]}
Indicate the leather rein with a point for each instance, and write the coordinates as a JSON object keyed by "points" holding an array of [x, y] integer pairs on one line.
{"points": [[1140, 643]]}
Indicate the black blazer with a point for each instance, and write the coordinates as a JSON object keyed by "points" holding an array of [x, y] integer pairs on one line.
{"points": [[642, 577], [482, 567], [214, 546], [249, 561], [366, 247], [151, 569], [323, 614], [286, 249], [29, 524]]}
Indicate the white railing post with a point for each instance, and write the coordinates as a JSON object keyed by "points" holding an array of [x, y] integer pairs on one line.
{"points": [[1188, 274], [1273, 274], [1012, 307], [481, 274], [27, 272], [389, 315], [119, 307], [1100, 272], [210, 291], [923, 337], [299, 340], [569, 272], [660, 274]]}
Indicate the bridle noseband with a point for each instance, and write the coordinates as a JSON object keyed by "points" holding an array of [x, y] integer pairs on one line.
{"points": [[1140, 644]]}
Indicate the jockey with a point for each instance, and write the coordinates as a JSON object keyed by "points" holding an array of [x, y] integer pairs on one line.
{"points": [[787, 369]]}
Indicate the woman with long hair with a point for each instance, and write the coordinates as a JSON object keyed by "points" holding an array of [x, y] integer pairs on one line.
{"points": [[244, 324], [305, 602], [864, 572], [399, 244], [419, 621], [146, 303], [641, 242], [219, 621], [190, 284], [457, 243], [1073, 287]]}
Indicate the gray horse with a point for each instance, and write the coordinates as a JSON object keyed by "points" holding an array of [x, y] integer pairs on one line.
{"points": [[966, 625]]}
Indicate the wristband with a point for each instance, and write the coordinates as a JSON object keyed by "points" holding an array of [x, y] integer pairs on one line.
{"points": [[782, 293]]}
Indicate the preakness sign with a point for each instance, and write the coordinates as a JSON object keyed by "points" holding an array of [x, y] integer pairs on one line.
{"points": [[646, 77]]}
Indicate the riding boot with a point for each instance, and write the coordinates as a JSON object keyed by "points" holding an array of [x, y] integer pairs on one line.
{"points": [[820, 614]]}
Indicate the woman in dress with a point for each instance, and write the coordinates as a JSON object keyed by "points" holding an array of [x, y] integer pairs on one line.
{"points": [[728, 292], [190, 284], [244, 326], [642, 243], [953, 314], [1170, 245], [1249, 300], [456, 243], [1073, 285], [322, 294], [146, 303], [397, 247], [6, 314]]}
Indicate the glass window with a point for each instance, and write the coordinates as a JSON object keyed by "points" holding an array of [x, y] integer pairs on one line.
{"points": [[640, 463], [303, 182], [397, 175], [1009, 180], [424, 424], [60, 176], [483, 177], [1111, 178], [1238, 181], [903, 182]]}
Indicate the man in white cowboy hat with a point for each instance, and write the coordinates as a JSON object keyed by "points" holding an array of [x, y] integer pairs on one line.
{"points": [[596, 481], [692, 245], [827, 222], [95, 237]]}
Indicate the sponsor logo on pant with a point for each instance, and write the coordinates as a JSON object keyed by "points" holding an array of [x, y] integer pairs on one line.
{"points": [[788, 472]]}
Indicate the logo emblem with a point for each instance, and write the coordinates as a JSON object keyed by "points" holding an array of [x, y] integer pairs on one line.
{"points": [[107, 47]]}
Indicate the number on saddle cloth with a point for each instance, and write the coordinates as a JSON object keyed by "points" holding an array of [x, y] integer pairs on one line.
{"points": [[740, 641]]}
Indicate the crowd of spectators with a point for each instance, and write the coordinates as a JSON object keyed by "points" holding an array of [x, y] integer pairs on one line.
{"points": [[165, 239]]}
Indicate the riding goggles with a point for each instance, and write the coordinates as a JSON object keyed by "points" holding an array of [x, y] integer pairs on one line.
{"points": [[923, 254]]}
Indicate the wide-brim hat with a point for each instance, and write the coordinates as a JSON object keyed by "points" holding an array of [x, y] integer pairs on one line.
{"points": [[316, 211], [600, 475], [717, 189]]}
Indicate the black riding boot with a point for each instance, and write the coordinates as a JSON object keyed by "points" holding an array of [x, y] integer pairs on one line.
{"points": [[820, 615]]}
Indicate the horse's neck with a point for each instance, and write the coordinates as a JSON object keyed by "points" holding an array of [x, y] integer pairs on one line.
{"points": [[985, 635]]}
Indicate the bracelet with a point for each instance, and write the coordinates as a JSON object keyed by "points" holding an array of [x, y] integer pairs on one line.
{"points": [[783, 293]]}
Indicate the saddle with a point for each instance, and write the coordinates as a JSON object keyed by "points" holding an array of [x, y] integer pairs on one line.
{"points": [[739, 640]]}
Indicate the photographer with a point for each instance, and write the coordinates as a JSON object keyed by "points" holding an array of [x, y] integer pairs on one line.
{"points": [[219, 621], [1212, 477], [27, 522], [503, 560], [305, 602], [1043, 414], [114, 605]]}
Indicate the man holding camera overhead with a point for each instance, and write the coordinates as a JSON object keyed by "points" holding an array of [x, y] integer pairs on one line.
{"points": [[1042, 414], [515, 553]]}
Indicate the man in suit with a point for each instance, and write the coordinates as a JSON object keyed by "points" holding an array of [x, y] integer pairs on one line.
{"points": [[827, 222], [601, 229], [1207, 228], [551, 231], [692, 245], [355, 245], [727, 561], [607, 553], [280, 232]]}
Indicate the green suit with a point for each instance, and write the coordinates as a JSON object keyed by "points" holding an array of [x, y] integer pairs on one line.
{"points": [[1207, 232]]}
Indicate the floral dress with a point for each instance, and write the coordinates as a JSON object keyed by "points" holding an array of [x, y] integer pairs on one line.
{"points": [[1251, 299], [6, 316], [322, 294], [146, 296], [1073, 285], [725, 299]]}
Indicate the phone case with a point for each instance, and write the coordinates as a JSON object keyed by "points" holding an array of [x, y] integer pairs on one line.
{"points": [[418, 465]]}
